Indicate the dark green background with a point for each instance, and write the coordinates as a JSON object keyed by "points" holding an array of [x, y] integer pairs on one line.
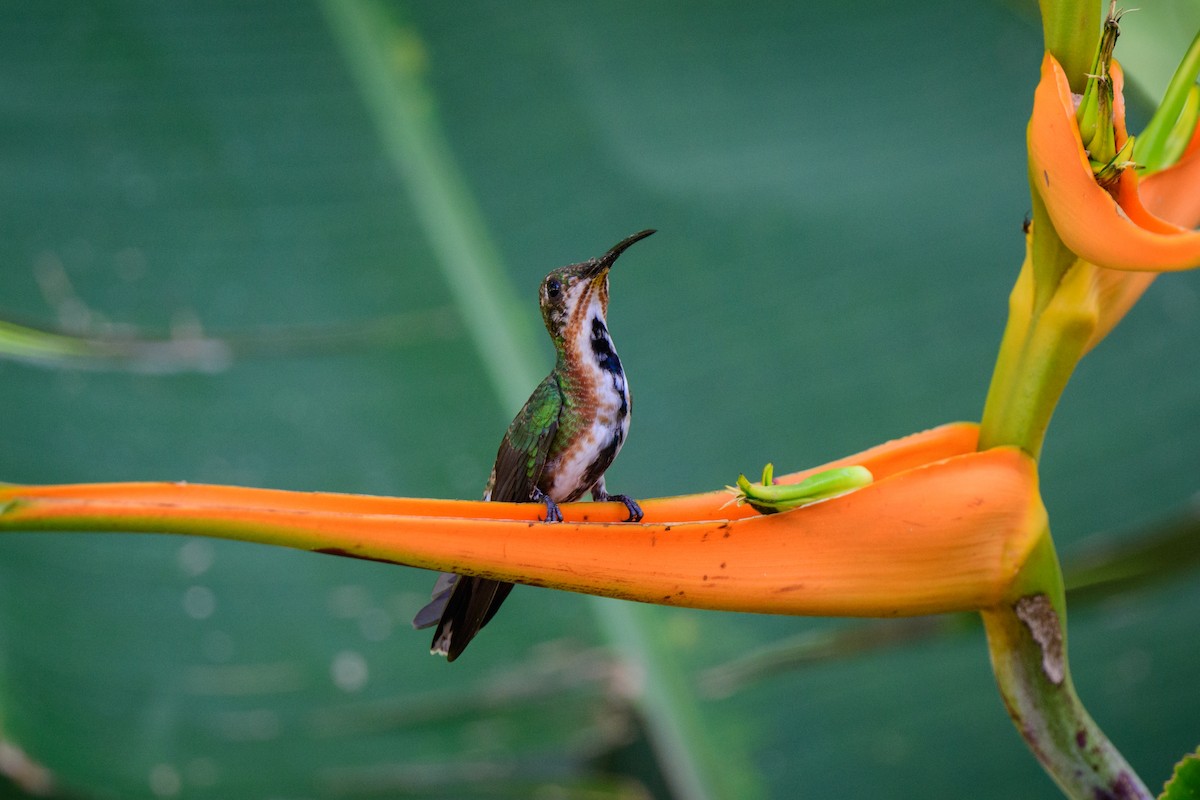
{"points": [[839, 192]]}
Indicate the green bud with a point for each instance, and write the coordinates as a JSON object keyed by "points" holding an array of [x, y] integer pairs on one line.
{"points": [[1087, 114], [1095, 112], [771, 498], [1107, 173], [1103, 144], [768, 474]]}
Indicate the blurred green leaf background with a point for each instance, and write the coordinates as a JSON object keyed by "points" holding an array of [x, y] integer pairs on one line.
{"points": [[839, 191]]}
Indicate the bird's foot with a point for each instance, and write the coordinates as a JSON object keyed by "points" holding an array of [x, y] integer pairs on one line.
{"points": [[552, 512], [635, 511]]}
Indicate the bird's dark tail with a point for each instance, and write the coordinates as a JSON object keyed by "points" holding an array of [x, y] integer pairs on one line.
{"points": [[460, 607]]}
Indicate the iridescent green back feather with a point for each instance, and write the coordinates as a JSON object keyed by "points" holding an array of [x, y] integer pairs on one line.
{"points": [[526, 444]]}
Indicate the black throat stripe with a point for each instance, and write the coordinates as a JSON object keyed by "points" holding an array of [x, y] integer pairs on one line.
{"points": [[602, 349]]}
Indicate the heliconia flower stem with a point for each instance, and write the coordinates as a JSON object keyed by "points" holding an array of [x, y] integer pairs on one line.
{"points": [[1071, 29], [1100, 232], [1027, 642], [1038, 354]]}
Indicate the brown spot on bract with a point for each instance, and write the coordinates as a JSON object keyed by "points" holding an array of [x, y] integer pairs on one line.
{"points": [[703, 577], [792, 587], [1081, 738], [1046, 177], [726, 535], [722, 565]]}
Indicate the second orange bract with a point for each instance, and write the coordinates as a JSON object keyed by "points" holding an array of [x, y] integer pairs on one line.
{"points": [[1143, 225]]}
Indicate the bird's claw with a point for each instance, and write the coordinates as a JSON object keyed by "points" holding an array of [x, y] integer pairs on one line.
{"points": [[635, 511], [552, 512]]}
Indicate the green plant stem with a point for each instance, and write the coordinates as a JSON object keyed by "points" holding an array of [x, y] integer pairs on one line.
{"points": [[1053, 314], [1050, 257], [1048, 332], [18, 341], [388, 61], [1071, 29], [1028, 645], [1038, 354]]}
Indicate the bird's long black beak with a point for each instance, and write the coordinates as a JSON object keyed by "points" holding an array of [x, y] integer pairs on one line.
{"points": [[606, 261]]}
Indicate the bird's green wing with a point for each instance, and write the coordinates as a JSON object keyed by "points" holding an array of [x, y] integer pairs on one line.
{"points": [[525, 446]]}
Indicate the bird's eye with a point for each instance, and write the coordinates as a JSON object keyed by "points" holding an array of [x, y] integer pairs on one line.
{"points": [[553, 288]]}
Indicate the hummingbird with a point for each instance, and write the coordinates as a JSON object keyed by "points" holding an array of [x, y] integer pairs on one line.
{"points": [[561, 442]]}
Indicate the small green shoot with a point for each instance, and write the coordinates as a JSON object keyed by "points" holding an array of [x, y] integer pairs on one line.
{"points": [[769, 497]]}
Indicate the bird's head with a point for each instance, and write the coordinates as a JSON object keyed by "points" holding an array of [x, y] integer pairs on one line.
{"points": [[571, 296]]}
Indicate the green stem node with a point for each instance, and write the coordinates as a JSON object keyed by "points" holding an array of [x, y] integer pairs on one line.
{"points": [[1038, 353]]}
